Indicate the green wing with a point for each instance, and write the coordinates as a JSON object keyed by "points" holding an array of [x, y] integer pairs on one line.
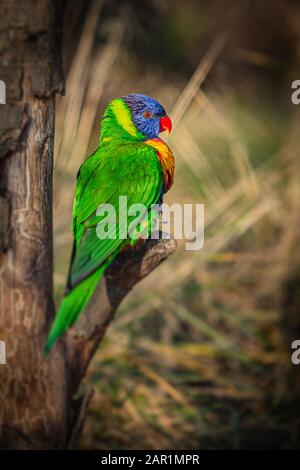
{"points": [[131, 170]]}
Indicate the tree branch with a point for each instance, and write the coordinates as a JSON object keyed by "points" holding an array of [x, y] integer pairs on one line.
{"points": [[131, 266]]}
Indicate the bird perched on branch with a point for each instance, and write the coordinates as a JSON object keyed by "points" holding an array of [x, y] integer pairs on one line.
{"points": [[131, 161]]}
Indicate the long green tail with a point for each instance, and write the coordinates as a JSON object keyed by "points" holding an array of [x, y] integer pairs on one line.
{"points": [[71, 307]]}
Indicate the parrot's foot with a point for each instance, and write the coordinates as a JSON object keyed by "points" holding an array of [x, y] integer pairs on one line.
{"points": [[134, 244], [139, 243]]}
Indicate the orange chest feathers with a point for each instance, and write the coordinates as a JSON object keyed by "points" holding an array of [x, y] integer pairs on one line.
{"points": [[166, 159]]}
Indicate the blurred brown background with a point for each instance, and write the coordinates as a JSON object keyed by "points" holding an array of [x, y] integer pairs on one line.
{"points": [[199, 354]]}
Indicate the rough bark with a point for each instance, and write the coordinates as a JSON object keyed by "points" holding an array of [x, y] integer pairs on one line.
{"points": [[37, 405], [30, 400]]}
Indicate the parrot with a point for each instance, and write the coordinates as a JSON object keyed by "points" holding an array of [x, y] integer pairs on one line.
{"points": [[132, 161]]}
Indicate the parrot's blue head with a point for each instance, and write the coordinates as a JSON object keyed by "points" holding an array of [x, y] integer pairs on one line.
{"points": [[148, 115]]}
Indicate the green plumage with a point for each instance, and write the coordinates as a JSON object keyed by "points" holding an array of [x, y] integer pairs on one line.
{"points": [[123, 165]]}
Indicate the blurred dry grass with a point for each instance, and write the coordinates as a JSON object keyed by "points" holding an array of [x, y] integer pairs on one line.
{"points": [[195, 357]]}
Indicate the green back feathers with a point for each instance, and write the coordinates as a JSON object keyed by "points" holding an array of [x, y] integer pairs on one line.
{"points": [[120, 171]]}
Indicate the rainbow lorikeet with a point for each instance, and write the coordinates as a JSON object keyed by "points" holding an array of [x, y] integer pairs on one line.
{"points": [[131, 161]]}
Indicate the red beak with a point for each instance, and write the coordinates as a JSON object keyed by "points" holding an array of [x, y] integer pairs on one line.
{"points": [[165, 124]]}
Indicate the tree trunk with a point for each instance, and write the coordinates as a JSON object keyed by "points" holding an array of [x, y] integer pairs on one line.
{"points": [[37, 405]]}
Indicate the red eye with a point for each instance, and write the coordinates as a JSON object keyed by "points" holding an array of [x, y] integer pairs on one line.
{"points": [[148, 114]]}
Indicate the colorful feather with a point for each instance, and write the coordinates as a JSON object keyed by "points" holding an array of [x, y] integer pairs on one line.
{"points": [[130, 161]]}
